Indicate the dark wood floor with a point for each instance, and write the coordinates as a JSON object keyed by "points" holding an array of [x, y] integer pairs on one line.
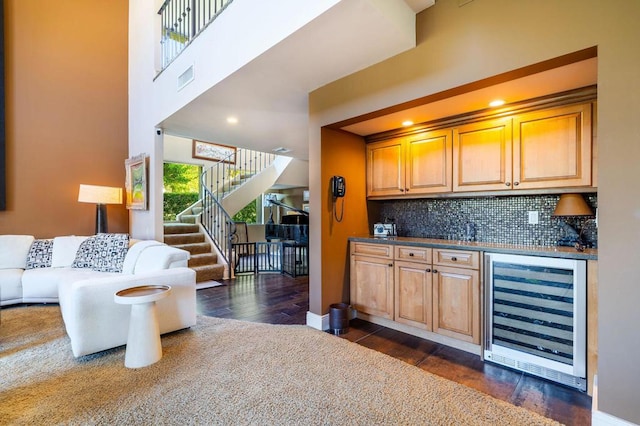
{"points": [[278, 299]]}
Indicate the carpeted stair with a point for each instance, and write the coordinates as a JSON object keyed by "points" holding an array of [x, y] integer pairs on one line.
{"points": [[187, 236]]}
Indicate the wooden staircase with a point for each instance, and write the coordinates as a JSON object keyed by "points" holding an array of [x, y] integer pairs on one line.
{"points": [[187, 236]]}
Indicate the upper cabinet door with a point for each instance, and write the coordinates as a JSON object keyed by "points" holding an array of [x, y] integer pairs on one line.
{"points": [[482, 156], [428, 166], [385, 168], [552, 148]]}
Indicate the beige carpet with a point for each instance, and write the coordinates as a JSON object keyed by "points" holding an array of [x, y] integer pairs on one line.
{"points": [[227, 372]]}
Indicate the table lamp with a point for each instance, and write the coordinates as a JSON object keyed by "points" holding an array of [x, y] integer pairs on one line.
{"points": [[572, 205], [101, 196]]}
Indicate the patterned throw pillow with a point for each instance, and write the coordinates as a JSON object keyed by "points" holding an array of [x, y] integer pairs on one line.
{"points": [[110, 251], [85, 254], [39, 255]]}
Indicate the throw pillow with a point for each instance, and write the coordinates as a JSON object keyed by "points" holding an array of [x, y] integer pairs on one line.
{"points": [[110, 251], [85, 254], [40, 254]]}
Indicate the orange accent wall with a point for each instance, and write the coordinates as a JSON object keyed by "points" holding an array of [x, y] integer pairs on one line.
{"points": [[66, 113], [343, 154]]}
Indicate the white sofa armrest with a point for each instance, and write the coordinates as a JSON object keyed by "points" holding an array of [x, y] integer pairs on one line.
{"points": [[159, 257], [94, 322]]}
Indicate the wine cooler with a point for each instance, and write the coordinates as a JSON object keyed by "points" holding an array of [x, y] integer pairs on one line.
{"points": [[535, 316]]}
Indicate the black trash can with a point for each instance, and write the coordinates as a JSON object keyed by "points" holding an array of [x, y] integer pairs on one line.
{"points": [[339, 315]]}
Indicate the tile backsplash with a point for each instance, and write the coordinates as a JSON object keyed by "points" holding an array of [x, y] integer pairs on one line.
{"points": [[503, 219]]}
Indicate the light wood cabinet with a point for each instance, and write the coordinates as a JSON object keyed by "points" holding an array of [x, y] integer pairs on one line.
{"points": [[482, 156], [385, 168], [456, 294], [413, 287], [437, 290], [372, 279], [550, 148], [410, 165]]}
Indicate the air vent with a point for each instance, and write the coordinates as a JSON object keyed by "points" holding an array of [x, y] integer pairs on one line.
{"points": [[281, 150], [185, 78]]}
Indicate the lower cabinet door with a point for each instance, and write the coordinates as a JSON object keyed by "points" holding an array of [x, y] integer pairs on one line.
{"points": [[372, 286], [456, 303], [413, 294]]}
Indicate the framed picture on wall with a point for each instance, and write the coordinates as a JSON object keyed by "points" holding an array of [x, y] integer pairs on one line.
{"points": [[136, 182], [214, 152]]}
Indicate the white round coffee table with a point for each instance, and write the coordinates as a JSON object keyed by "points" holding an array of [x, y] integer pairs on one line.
{"points": [[143, 342]]}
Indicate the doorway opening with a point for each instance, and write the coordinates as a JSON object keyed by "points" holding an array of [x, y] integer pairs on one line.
{"points": [[181, 188]]}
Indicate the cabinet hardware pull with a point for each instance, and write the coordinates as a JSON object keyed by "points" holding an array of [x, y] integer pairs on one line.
{"points": [[435, 271], [516, 183], [401, 189], [411, 254], [406, 189], [508, 183], [391, 265], [428, 270], [454, 259]]}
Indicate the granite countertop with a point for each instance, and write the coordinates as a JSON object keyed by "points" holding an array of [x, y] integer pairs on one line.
{"points": [[550, 251]]}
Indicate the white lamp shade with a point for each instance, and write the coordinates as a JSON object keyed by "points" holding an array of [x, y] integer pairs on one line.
{"points": [[100, 194]]}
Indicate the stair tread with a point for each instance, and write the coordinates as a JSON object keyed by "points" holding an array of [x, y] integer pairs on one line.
{"points": [[178, 228], [203, 259], [204, 267], [184, 238], [208, 272]]}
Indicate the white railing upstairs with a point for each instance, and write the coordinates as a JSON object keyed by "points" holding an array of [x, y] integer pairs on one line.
{"points": [[182, 21]]}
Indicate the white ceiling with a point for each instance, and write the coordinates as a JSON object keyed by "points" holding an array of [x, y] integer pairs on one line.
{"points": [[269, 96], [420, 5]]}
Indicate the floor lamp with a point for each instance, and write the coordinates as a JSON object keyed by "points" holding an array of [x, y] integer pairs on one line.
{"points": [[101, 196]]}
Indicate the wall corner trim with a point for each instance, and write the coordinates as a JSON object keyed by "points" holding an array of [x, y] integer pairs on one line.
{"points": [[319, 322]]}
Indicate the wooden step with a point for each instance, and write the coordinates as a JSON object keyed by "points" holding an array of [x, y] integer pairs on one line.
{"points": [[187, 236], [197, 248], [180, 228], [209, 272], [175, 239], [203, 259]]}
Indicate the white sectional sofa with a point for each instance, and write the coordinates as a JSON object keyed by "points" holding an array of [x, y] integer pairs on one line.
{"points": [[83, 273]]}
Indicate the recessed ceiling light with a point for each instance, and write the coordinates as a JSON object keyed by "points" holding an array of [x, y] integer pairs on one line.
{"points": [[496, 103], [232, 120], [407, 123]]}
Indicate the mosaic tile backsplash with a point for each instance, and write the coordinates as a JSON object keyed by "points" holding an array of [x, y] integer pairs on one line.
{"points": [[503, 219]]}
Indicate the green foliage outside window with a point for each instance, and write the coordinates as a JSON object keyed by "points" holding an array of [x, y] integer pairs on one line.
{"points": [[182, 188], [181, 178], [175, 203], [247, 214], [181, 183]]}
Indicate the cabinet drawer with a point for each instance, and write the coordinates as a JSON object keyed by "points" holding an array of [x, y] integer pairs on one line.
{"points": [[378, 250], [462, 259], [413, 254]]}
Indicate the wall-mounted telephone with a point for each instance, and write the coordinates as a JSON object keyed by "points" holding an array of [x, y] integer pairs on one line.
{"points": [[338, 186], [338, 189]]}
